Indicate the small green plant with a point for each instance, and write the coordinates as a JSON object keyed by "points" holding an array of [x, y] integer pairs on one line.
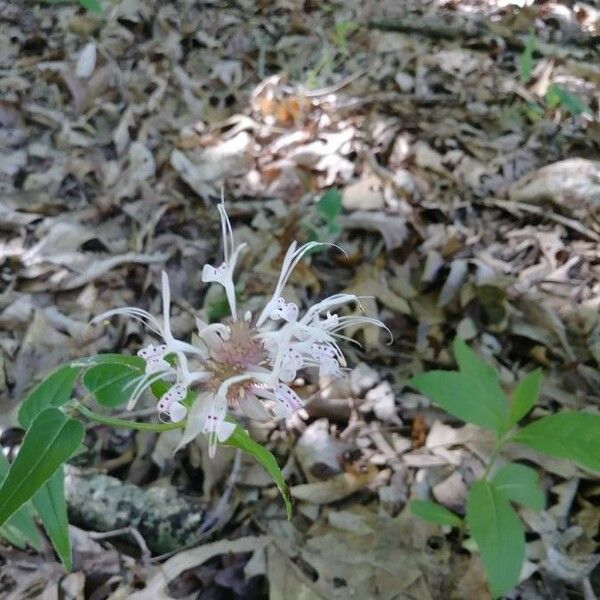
{"points": [[340, 33], [525, 60], [556, 95], [322, 224], [473, 394], [324, 65]]}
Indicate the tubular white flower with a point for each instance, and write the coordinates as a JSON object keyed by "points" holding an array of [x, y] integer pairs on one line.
{"points": [[288, 311], [284, 400], [223, 274], [212, 334], [292, 257], [241, 365], [215, 426], [291, 362], [154, 357], [170, 402], [157, 367]]}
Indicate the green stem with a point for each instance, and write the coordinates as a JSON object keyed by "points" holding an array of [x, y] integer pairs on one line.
{"points": [[496, 451], [113, 421]]}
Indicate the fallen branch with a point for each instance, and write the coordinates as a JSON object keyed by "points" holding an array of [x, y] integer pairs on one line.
{"points": [[436, 27]]}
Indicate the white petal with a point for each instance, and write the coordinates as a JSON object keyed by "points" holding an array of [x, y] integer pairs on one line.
{"points": [[329, 366], [277, 309], [156, 365], [321, 351], [173, 395], [287, 373], [213, 424], [141, 384], [281, 411], [196, 419], [290, 363], [86, 63], [179, 391], [225, 430], [292, 257], [152, 351], [290, 313], [253, 408], [166, 306], [212, 274], [177, 412], [288, 398]]}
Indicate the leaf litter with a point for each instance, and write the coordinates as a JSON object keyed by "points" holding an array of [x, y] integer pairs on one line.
{"points": [[469, 203]]}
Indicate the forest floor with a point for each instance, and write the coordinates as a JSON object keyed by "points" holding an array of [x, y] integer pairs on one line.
{"points": [[451, 148]]}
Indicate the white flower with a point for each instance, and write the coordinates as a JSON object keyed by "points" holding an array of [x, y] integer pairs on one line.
{"points": [[242, 365], [223, 274], [156, 366]]}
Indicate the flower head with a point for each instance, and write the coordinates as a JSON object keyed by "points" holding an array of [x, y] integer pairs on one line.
{"points": [[246, 364]]}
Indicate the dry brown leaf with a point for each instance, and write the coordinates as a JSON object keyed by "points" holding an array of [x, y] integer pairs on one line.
{"points": [[335, 488]]}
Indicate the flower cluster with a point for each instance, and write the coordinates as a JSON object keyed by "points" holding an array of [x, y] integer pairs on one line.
{"points": [[243, 363]]}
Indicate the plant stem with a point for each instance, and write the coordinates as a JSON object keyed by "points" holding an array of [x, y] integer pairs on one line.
{"points": [[496, 451], [90, 414]]}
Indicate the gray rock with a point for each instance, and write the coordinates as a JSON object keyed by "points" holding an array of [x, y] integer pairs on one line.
{"points": [[166, 519]]}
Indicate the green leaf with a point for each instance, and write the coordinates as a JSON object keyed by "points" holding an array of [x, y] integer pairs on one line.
{"points": [[435, 513], [113, 359], [20, 529], [55, 390], [473, 394], [552, 97], [13, 535], [496, 528], [334, 229], [240, 439], [482, 375], [112, 383], [532, 111], [526, 58], [91, 5], [51, 506], [557, 94], [49, 442], [525, 396], [463, 397], [330, 204], [572, 435], [218, 310], [469, 363], [520, 484]]}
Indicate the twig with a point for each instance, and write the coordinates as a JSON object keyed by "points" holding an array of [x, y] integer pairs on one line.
{"points": [[438, 28], [215, 517], [335, 87], [512, 206], [410, 99], [431, 27], [129, 530]]}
